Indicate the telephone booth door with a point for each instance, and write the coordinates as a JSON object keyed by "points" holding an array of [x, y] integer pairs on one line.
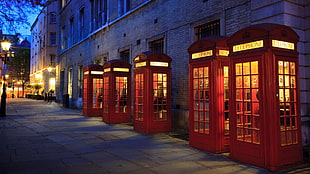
{"points": [[265, 122], [92, 91], [116, 92], [152, 93], [208, 95]]}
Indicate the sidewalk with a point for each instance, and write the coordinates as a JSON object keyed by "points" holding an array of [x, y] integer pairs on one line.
{"points": [[38, 137]]}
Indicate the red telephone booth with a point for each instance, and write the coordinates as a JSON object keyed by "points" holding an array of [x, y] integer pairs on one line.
{"points": [[116, 92], [152, 100], [208, 95], [92, 94], [265, 122]]}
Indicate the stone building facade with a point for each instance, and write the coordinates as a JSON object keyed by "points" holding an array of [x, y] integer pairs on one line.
{"points": [[95, 31], [44, 49]]}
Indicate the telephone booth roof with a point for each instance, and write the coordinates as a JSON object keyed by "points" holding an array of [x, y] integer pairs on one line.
{"points": [[210, 47], [149, 57], [116, 63], [282, 36], [93, 67]]}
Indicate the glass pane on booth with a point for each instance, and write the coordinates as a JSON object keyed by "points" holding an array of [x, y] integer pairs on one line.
{"points": [[139, 91], [121, 94], [201, 99], [97, 93], [287, 100], [226, 100], [106, 94], [160, 96], [85, 93], [247, 102]]}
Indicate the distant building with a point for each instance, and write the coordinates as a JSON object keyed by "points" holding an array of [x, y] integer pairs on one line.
{"points": [[100, 30], [17, 65], [43, 49]]}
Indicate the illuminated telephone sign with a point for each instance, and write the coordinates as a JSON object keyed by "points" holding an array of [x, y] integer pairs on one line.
{"points": [[92, 90], [162, 64], [209, 95], [248, 46], [140, 64], [152, 93], [265, 89], [116, 92], [202, 54], [223, 52], [121, 69], [283, 44]]}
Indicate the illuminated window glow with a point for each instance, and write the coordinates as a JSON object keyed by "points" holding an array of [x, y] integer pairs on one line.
{"points": [[201, 96], [139, 93], [121, 96], [97, 93], [160, 96], [247, 102], [287, 96]]}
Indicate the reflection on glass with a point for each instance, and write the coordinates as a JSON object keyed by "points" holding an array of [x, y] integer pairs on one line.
{"points": [[247, 102], [201, 99], [97, 93], [121, 95], [106, 94], [138, 104], [160, 96], [246, 68], [287, 101], [239, 69]]}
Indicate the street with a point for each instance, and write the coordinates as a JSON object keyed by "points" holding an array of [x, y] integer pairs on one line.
{"points": [[38, 137]]}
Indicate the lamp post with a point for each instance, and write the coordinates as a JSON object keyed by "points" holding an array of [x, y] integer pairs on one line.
{"points": [[5, 45]]}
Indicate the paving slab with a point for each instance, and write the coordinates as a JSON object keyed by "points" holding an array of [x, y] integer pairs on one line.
{"points": [[39, 137]]}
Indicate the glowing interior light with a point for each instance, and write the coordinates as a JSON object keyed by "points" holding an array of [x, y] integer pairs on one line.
{"points": [[163, 64], [223, 52], [202, 54], [107, 70], [248, 46], [96, 72], [283, 44], [140, 64], [121, 69]]}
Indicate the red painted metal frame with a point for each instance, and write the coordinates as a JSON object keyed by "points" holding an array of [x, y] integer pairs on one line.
{"points": [[267, 151], [88, 110], [215, 140], [147, 123], [113, 115]]}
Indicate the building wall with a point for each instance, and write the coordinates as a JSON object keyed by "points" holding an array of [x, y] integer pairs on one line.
{"points": [[174, 21], [41, 48]]}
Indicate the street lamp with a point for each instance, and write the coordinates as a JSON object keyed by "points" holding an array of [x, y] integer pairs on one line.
{"points": [[5, 45]]}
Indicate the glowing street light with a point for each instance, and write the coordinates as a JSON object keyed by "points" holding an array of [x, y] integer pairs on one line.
{"points": [[5, 45]]}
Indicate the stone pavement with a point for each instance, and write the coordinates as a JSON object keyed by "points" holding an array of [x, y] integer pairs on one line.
{"points": [[38, 137]]}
